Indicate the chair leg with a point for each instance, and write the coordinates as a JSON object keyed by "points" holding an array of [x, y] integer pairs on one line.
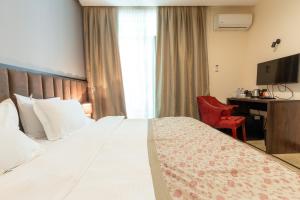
{"points": [[244, 133], [233, 133]]}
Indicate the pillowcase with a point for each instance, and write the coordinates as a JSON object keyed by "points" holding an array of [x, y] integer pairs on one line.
{"points": [[9, 114], [60, 118], [31, 124], [15, 149]]}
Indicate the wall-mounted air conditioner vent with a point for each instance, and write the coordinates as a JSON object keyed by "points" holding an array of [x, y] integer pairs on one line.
{"points": [[233, 21]]}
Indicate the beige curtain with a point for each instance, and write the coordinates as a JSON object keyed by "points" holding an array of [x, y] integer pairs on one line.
{"points": [[102, 57], [181, 66]]}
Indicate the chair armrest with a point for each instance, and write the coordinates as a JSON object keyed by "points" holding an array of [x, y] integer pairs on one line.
{"points": [[229, 108], [224, 109], [212, 113], [215, 108]]}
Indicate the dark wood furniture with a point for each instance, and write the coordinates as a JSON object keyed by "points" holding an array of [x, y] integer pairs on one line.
{"points": [[283, 122]]}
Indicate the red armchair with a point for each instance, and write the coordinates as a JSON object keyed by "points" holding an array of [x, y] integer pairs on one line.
{"points": [[227, 109], [218, 115]]}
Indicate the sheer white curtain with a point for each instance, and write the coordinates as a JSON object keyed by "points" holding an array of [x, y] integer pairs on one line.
{"points": [[137, 43]]}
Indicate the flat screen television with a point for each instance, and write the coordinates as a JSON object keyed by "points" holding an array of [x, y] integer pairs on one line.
{"points": [[279, 71]]}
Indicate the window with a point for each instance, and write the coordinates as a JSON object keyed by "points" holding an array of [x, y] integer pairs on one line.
{"points": [[137, 43]]}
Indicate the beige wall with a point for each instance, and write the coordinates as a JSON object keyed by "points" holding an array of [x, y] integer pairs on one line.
{"points": [[43, 35], [238, 53], [226, 49], [273, 19]]}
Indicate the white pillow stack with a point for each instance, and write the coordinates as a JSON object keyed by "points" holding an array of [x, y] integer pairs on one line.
{"points": [[15, 147], [60, 118], [54, 118], [30, 122]]}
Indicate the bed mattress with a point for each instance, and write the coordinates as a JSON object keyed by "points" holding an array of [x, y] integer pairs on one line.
{"points": [[107, 160]]}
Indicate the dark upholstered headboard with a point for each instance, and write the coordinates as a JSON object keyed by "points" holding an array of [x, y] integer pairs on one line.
{"points": [[40, 85]]}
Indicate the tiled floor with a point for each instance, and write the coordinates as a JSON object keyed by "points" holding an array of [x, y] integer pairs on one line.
{"points": [[293, 158], [258, 144]]}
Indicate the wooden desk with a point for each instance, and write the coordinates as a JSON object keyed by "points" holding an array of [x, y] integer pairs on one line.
{"points": [[283, 122]]}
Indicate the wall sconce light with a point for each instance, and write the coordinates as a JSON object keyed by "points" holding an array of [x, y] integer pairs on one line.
{"points": [[88, 109], [277, 42]]}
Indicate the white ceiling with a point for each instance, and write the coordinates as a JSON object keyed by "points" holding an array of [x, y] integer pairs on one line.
{"points": [[167, 2]]}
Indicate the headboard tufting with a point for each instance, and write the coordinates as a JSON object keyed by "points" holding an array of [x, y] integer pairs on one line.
{"points": [[40, 85]]}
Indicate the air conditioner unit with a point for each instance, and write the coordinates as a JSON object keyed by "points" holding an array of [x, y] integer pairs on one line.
{"points": [[233, 21]]}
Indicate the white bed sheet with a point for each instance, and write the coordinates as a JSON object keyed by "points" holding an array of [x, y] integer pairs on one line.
{"points": [[107, 160]]}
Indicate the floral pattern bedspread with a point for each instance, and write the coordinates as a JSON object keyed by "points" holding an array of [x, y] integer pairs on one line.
{"points": [[199, 162]]}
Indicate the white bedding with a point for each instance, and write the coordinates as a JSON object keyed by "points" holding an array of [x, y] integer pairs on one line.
{"points": [[107, 160]]}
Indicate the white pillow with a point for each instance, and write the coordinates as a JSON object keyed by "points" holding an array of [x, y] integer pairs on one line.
{"points": [[30, 122], [60, 118], [9, 114], [15, 149]]}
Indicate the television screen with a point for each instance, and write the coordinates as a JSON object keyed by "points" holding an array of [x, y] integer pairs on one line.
{"points": [[279, 71]]}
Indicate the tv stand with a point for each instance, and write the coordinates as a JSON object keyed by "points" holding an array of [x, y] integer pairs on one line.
{"points": [[283, 122]]}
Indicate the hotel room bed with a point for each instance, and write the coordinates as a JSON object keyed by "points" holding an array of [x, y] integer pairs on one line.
{"points": [[189, 160], [117, 158]]}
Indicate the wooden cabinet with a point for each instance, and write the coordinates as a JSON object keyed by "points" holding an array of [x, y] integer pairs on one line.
{"points": [[283, 122]]}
